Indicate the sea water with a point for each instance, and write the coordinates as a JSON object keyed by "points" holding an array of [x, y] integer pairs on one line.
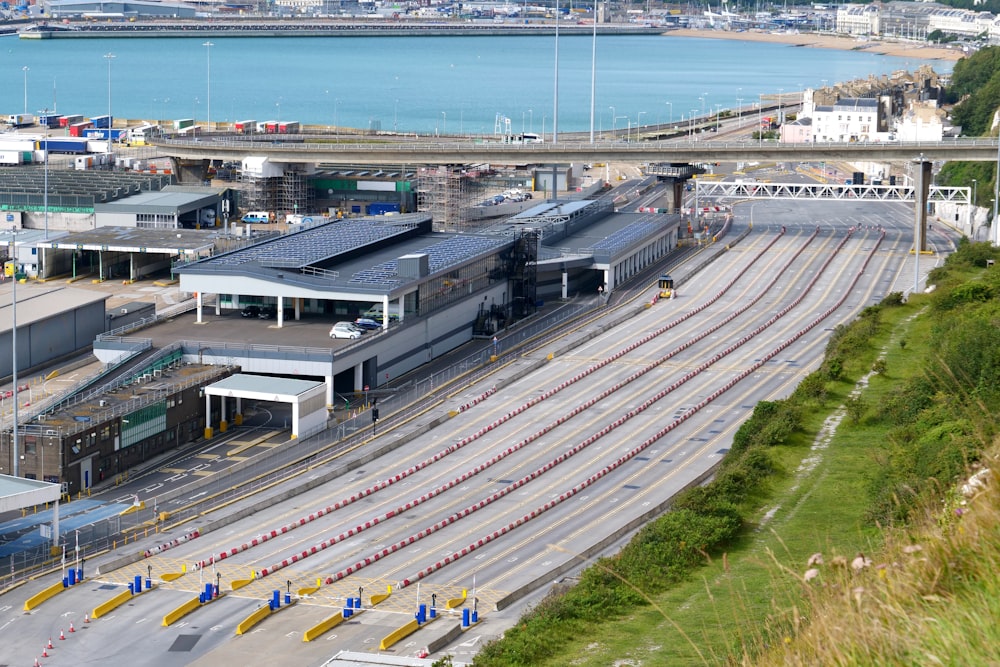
{"points": [[427, 85]]}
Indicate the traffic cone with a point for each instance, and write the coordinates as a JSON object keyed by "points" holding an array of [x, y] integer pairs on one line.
{"points": [[37, 664], [71, 628], [50, 643], [45, 652], [61, 635], [86, 617]]}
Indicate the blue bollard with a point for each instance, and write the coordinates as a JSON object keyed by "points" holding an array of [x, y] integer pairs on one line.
{"points": [[465, 617], [66, 581], [475, 616], [276, 600], [434, 612], [422, 614], [137, 586], [208, 591], [347, 612], [72, 576], [270, 605], [79, 574], [201, 598], [288, 598], [357, 602], [350, 603], [149, 584], [131, 588]]}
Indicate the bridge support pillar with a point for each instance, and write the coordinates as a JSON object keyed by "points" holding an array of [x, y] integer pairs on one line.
{"points": [[923, 187]]}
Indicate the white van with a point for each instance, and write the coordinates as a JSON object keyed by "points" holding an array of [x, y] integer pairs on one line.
{"points": [[375, 312], [256, 216]]}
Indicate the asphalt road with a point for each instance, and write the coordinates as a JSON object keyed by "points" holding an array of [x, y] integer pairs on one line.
{"points": [[552, 462]]}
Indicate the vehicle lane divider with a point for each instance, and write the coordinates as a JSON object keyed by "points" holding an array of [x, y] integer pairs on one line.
{"points": [[392, 548], [452, 448], [657, 436], [43, 595]]}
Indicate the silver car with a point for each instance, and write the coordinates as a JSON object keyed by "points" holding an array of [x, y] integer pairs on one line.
{"points": [[345, 330]]}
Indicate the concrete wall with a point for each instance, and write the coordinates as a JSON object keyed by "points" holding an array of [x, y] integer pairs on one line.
{"points": [[53, 338]]}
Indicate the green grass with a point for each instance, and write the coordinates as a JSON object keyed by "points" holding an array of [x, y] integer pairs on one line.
{"points": [[749, 601]]}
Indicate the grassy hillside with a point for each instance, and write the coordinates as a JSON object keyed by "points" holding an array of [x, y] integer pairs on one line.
{"points": [[859, 469]]}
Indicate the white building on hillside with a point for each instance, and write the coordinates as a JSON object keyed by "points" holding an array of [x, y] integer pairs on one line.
{"points": [[922, 121], [848, 119]]}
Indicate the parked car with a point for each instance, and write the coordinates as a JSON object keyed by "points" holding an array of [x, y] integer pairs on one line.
{"points": [[268, 313], [251, 311], [366, 323], [345, 330]]}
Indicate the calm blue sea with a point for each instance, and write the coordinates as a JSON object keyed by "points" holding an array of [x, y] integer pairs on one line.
{"points": [[416, 84]]}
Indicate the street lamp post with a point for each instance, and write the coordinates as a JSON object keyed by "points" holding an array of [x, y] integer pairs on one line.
{"points": [[15, 453], [444, 122], [739, 112], [110, 56], [638, 122], [25, 70], [208, 98], [395, 111], [671, 105], [613, 119], [531, 120]]}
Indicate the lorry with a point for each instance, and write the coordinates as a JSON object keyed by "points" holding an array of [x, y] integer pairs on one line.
{"points": [[69, 119], [375, 312], [77, 129], [245, 126], [139, 135], [20, 120], [49, 120], [182, 123], [102, 122], [105, 133]]}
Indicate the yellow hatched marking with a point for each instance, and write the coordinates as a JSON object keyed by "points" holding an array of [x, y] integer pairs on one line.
{"points": [[172, 471], [210, 457], [203, 473]]}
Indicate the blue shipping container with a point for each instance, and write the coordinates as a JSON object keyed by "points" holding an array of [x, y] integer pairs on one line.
{"points": [[382, 207]]}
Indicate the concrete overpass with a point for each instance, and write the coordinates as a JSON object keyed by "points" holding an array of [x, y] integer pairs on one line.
{"points": [[396, 150]]}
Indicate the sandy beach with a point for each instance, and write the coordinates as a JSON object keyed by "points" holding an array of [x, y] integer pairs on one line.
{"points": [[818, 41]]}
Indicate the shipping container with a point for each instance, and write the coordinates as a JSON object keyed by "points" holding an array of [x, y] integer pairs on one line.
{"points": [[77, 129], [245, 126], [49, 120], [21, 119], [191, 130], [288, 127], [70, 145], [181, 123], [271, 127], [383, 207], [83, 162], [102, 121], [67, 121]]}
